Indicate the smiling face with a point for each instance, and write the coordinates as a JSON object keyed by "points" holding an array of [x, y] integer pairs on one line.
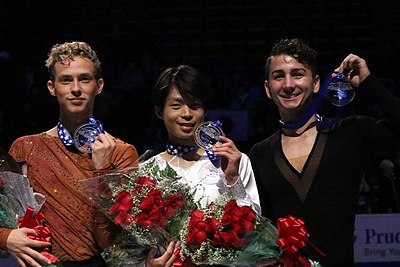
{"points": [[181, 117], [75, 87], [291, 85]]}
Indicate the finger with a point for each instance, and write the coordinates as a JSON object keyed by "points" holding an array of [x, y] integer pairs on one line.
{"points": [[169, 252], [30, 261], [152, 253], [39, 244], [34, 256]]}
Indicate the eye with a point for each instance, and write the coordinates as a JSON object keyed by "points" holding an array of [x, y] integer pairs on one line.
{"points": [[298, 74], [277, 76], [85, 79], [196, 105], [175, 105], [65, 80]]}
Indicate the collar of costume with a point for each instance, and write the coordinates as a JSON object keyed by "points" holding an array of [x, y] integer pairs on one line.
{"points": [[66, 137], [311, 111], [179, 150]]}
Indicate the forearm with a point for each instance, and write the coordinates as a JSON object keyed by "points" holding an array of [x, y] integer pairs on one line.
{"points": [[4, 233], [387, 102]]}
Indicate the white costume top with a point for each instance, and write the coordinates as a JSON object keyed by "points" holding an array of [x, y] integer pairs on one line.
{"points": [[209, 181]]}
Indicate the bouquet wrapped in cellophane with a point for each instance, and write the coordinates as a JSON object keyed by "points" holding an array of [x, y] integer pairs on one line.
{"points": [[148, 203], [20, 207], [225, 233], [154, 207]]}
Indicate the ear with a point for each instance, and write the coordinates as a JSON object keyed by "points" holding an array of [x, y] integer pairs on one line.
{"points": [[267, 89], [100, 85], [159, 113], [317, 83], [50, 87]]}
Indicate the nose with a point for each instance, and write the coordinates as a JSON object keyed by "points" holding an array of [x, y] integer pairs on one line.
{"points": [[289, 82], [76, 89], [186, 112]]}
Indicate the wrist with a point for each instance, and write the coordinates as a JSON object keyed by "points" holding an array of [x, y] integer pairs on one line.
{"points": [[231, 179], [108, 168]]}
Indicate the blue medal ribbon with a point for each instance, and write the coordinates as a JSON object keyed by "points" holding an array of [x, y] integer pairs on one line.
{"points": [[66, 137]]}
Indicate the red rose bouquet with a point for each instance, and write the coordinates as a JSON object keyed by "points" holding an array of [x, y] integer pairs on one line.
{"points": [[20, 207], [225, 233], [147, 202]]}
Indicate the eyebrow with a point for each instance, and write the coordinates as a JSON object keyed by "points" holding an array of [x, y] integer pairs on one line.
{"points": [[294, 69]]}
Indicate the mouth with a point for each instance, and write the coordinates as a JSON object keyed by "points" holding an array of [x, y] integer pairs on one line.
{"points": [[289, 97], [76, 101], [187, 127]]}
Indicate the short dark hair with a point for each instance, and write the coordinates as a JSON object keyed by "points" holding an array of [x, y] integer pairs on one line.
{"points": [[187, 80], [296, 48]]}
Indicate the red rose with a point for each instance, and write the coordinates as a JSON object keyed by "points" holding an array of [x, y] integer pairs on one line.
{"points": [[172, 203], [200, 228], [144, 181], [143, 220], [228, 238], [239, 219], [151, 208], [153, 200], [123, 205]]}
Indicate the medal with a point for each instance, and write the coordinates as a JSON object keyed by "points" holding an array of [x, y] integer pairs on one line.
{"points": [[84, 136], [207, 134], [339, 91]]}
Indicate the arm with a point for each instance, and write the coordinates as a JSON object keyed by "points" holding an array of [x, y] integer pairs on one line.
{"points": [[239, 176], [124, 155], [23, 248], [361, 77]]}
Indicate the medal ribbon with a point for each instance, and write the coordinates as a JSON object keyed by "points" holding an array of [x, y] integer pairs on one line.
{"points": [[36, 222], [66, 137], [211, 155]]}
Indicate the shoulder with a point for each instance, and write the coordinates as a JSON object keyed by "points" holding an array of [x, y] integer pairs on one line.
{"points": [[124, 147], [24, 143], [272, 140], [358, 122]]}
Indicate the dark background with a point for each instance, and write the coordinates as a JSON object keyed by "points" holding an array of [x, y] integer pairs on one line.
{"points": [[228, 41]]}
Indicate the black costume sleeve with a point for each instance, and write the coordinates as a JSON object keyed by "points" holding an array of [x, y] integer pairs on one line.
{"points": [[389, 104]]}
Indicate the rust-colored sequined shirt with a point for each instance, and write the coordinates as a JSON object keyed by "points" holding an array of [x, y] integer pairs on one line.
{"points": [[78, 230]]}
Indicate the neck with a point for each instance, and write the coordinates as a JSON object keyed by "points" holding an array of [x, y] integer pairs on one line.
{"points": [[71, 123], [311, 123], [184, 161]]}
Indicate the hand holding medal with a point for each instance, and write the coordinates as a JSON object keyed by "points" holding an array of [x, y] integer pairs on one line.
{"points": [[340, 91], [208, 133], [206, 136], [85, 135]]}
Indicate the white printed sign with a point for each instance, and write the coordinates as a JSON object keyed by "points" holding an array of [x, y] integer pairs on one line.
{"points": [[377, 238]]}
